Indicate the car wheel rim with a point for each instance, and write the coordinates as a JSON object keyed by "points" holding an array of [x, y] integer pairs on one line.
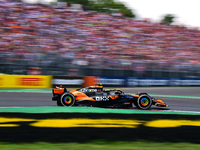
{"points": [[144, 101], [67, 100]]}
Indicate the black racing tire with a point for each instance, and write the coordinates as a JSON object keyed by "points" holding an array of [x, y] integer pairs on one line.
{"points": [[67, 99], [144, 102], [141, 93]]}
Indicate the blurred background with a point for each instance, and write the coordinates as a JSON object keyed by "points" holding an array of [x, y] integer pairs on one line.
{"points": [[78, 43], [93, 38]]}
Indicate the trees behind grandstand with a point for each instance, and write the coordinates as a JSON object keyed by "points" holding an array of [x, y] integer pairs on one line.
{"points": [[168, 19], [105, 6]]}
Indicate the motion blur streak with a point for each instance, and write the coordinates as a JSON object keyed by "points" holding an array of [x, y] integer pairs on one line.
{"points": [[96, 123], [12, 122], [172, 123]]}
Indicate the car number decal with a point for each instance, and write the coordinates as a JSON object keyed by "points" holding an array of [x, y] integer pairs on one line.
{"points": [[102, 98]]}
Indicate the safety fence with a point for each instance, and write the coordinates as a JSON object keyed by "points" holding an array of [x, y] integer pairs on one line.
{"points": [[59, 67], [42, 81]]}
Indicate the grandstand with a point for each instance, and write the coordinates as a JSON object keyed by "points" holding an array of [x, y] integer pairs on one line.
{"points": [[57, 40]]}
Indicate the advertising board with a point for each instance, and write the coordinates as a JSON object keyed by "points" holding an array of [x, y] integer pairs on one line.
{"points": [[25, 81]]}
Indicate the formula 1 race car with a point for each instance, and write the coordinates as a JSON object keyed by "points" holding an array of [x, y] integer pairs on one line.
{"points": [[98, 97]]}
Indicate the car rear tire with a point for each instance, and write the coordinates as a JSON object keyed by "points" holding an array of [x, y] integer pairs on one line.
{"points": [[143, 102], [67, 99]]}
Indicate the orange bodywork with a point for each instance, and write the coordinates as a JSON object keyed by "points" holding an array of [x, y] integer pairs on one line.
{"points": [[114, 96], [58, 90], [81, 96], [160, 102], [135, 95], [78, 95]]}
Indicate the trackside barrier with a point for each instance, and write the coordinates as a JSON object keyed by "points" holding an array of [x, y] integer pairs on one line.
{"points": [[89, 81], [68, 81], [136, 81], [39, 81], [25, 81], [74, 81]]}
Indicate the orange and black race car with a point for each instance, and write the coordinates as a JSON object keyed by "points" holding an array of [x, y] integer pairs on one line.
{"points": [[98, 97]]}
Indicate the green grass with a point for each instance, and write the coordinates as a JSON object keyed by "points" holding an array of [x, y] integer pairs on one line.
{"points": [[101, 145]]}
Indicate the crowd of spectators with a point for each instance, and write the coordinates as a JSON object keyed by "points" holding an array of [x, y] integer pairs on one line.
{"points": [[42, 35]]}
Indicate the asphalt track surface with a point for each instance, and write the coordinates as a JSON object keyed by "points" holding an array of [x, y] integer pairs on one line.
{"points": [[178, 99]]}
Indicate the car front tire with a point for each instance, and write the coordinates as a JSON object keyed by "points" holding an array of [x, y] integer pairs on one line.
{"points": [[144, 102]]}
